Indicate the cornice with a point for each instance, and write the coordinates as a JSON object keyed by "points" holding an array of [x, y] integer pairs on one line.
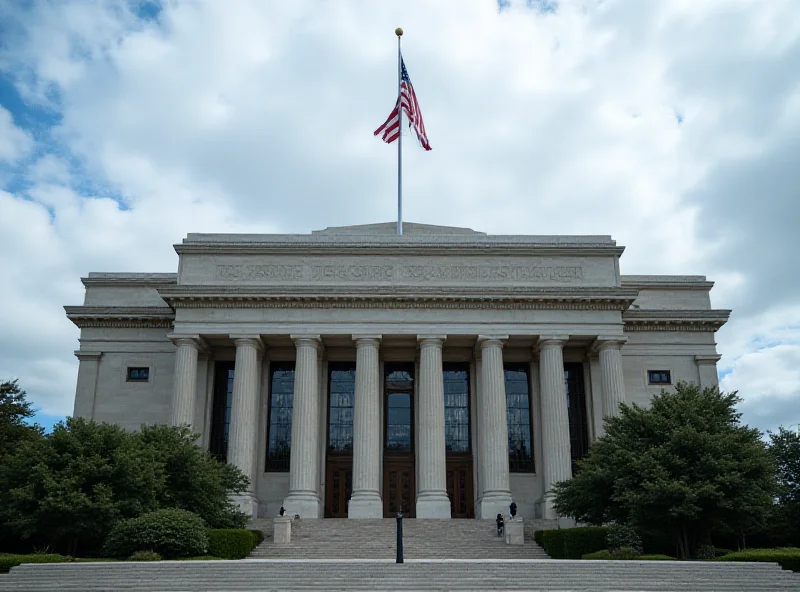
{"points": [[399, 298], [117, 280], [666, 282], [450, 245], [674, 320], [121, 317]]}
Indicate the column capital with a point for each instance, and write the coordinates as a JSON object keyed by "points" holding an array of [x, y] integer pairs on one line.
{"points": [[88, 356], [709, 359], [314, 341], [367, 340], [602, 342], [194, 341], [431, 340], [485, 341], [248, 340], [548, 341]]}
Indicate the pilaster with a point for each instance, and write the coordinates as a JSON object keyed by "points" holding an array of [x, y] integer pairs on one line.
{"points": [[86, 388], [707, 369]]}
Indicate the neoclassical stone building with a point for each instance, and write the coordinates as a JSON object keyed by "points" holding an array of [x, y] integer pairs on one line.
{"points": [[356, 373]]}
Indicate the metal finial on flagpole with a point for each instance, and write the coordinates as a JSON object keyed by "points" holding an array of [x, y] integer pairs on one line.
{"points": [[399, 32]]}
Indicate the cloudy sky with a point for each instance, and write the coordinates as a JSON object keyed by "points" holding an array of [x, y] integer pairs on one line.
{"points": [[672, 125]]}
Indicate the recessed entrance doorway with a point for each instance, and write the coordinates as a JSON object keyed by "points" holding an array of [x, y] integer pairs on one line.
{"points": [[398, 453]]}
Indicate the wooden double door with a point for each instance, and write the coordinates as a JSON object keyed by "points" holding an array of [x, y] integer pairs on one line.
{"points": [[338, 487], [458, 480], [399, 489]]}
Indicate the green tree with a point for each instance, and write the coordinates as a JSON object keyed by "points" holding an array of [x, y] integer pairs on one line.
{"points": [[69, 488], [785, 449], [684, 467], [191, 478], [14, 410]]}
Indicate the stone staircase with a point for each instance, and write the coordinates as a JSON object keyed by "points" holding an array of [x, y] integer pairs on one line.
{"points": [[377, 539], [359, 575]]}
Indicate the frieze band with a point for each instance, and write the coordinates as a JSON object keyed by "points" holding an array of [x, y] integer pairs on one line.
{"points": [[400, 272]]}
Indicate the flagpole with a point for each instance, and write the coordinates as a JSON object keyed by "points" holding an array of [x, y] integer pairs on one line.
{"points": [[399, 32]]}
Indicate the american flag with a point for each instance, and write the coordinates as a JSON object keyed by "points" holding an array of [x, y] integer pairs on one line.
{"points": [[390, 130]]}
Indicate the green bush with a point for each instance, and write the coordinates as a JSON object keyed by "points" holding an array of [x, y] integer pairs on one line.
{"points": [[171, 533], [553, 543], [705, 552], [7, 561], [582, 540], [231, 543], [145, 556], [259, 534], [722, 552], [571, 543], [606, 556], [623, 535], [787, 557]]}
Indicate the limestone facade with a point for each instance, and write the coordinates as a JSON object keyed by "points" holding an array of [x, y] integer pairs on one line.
{"points": [[391, 372]]}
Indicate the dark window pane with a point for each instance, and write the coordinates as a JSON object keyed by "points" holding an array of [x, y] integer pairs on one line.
{"points": [[456, 407], [659, 377], [221, 410], [518, 416], [281, 397], [341, 395], [138, 374], [576, 403], [399, 387]]}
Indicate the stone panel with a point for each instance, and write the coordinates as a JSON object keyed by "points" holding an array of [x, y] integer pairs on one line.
{"points": [[383, 270]]}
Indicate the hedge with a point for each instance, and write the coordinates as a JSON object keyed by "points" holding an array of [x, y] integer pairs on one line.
{"points": [[259, 534], [572, 543], [7, 561], [232, 543], [171, 533], [604, 555], [787, 557]]}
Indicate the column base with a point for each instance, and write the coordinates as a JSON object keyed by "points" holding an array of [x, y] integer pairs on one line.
{"points": [[365, 505], [305, 504], [548, 512], [490, 506], [433, 505], [247, 503]]}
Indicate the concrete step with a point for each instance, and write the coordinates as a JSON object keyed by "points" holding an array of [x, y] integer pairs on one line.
{"points": [[288, 575], [376, 539]]}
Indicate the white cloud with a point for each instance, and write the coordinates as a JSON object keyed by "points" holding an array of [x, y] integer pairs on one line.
{"points": [[259, 117], [14, 143]]}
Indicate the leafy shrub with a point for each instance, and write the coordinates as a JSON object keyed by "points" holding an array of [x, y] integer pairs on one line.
{"points": [[582, 540], [231, 543], [145, 556], [722, 552], [606, 556], [571, 543], [171, 533], [553, 543], [623, 535], [787, 557], [706, 552], [7, 561], [259, 534]]}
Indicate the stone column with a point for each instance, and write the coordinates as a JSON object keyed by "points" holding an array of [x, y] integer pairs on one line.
{"points": [[432, 500], [244, 416], [611, 373], [493, 430], [556, 456], [86, 388], [366, 499], [479, 427], [184, 390], [707, 368], [303, 496]]}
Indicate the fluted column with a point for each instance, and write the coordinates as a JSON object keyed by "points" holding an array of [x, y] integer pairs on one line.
{"points": [[303, 497], [432, 500], [493, 428], [479, 427], [366, 499], [611, 373], [707, 369], [184, 390], [244, 415], [556, 455]]}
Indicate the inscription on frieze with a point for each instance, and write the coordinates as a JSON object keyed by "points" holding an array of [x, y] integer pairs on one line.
{"points": [[401, 273]]}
